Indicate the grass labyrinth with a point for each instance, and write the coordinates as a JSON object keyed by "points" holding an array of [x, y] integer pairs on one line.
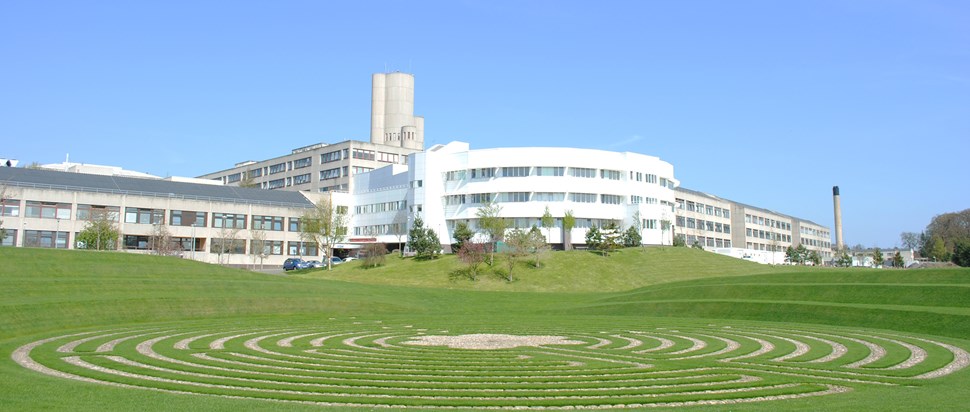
{"points": [[370, 362]]}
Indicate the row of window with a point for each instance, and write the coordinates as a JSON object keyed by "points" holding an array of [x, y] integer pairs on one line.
{"points": [[699, 207], [708, 225], [769, 235], [512, 197], [581, 172], [814, 232], [375, 230], [764, 221], [380, 207], [707, 241]]}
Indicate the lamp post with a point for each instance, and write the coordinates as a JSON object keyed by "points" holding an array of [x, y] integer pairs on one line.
{"points": [[193, 241], [57, 232]]}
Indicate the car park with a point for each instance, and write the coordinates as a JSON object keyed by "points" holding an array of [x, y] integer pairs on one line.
{"points": [[314, 264]]}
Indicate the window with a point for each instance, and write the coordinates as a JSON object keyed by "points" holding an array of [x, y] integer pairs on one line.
{"points": [[387, 157], [484, 173], [455, 175], [582, 197], [267, 223], [97, 212], [266, 247], [228, 246], [187, 218], [611, 199], [515, 171], [691, 223], [710, 210], [137, 242], [611, 174], [144, 216], [513, 197], [10, 239], [681, 222], [45, 238], [727, 214], [359, 169], [276, 184], [294, 225], [651, 178], [301, 163], [549, 196], [277, 168], [480, 198], [363, 154], [634, 199], [330, 157], [650, 200], [301, 179], [455, 199], [582, 172], [690, 206], [330, 173], [233, 178], [229, 220], [301, 249], [185, 243], [727, 228], [11, 207], [650, 223], [255, 173], [550, 171], [48, 210]]}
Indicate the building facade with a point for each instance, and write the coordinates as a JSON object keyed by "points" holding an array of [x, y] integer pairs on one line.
{"points": [[214, 224]]}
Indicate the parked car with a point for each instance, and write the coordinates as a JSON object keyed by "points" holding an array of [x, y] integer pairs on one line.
{"points": [[295, 264], [349, 258], [314, 264], [336, 260]]}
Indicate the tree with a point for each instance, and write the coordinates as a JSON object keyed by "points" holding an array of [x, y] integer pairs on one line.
{"points": [[815, 258], [594, 239], [161, 240], [898, 260], [664, 227], [374, 255], [224, 244], [638, 227], [877, 258], [844, 260], [801, 253], [461, 234], [247, 180], [950, 228], [473, 254], [548, 222], [325, 224], [910, 240], [790, 255], [632, 237], [99, 233], [258, 247], [424, 242], [399, 228], [938, 249], [3, 200], [612, 238], [568, 223], [538, 244], [491, 223], [517, 245], [961, 253]]}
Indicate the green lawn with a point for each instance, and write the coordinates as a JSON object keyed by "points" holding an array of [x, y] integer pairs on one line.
{"points": [[647, 295]]}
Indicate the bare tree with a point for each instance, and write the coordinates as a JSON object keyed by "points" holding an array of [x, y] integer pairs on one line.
{"points": [[548, 222], [225, 243], [3, 200], [399, 228], [161, 240], [491, 223], [258, 247], [326, 224]]}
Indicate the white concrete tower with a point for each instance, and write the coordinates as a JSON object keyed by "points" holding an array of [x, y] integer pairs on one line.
{"points": [[392, 111]]}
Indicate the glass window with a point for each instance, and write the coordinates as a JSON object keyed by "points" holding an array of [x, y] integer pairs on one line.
{"points": [[277, 168], [274, 223], [276, 184], [229, 220], [268, 247], [611, 199], [97, 212], [582, 197], [11, 207], [301, 179], [48, 210], [480, 198], [294, 225], [228, 246], [330, 173], [301, 249], [330, 157], [611, 174], [515, 171], [144, 216], [304, 162], [46, 239], [233, 178], [582, 172], [549, 196], [363, 154], [513, 197], [550, 171]]}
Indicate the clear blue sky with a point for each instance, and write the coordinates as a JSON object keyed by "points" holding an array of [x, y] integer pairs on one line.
{"points": [[769, 103]]}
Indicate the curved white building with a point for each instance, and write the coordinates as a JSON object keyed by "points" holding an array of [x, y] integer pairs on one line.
{"points": [[450, 183]]}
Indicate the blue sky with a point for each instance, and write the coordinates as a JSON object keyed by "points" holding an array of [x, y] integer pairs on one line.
{"points": [[769, 103]]}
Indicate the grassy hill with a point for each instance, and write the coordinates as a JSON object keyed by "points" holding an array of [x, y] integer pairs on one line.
{"points": [[45, 293]]}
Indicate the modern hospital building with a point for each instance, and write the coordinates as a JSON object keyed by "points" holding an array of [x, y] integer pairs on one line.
{"points": [[385, 183]]}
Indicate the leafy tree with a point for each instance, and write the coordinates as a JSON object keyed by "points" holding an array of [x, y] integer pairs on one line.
{"points": [[844, 260], [491, 223], [938, 249], [325, 224], [790, 255], [638, 227], [961, 253], [680, 240], [594, 238], [424, 242], [99, 233], [548, 222], [258, 246], [374, 255], [801, 254], [461, 234], [664, 227], [632, 237], [815, 258], [697, 245], [161, 240], [222, 245], [538, 245], [473, 254], [568, 223], [877, 258], [950, 228], [518, 244], [898, 260], [247, 180], [612, 238]]}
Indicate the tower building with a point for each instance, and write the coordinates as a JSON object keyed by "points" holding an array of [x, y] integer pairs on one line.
{"points": [[393, 122]]}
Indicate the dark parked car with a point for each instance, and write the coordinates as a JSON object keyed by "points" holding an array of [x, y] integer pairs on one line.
{"points": [[295, 263]]}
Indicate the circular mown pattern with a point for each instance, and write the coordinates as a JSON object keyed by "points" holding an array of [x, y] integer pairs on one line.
{"points": [[373, 364]]}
